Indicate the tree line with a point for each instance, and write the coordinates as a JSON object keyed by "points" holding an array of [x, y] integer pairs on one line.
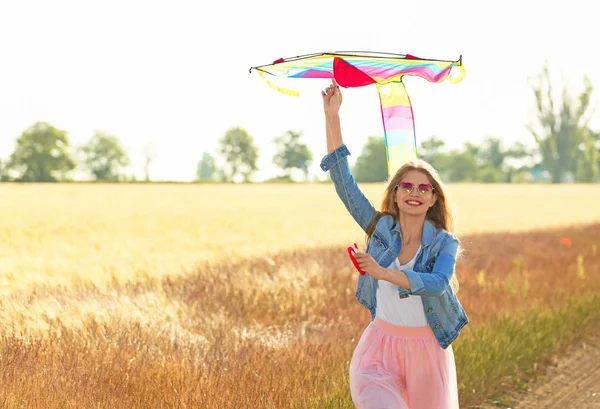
{"points": [[240, 155], [44, 153], [566, 149]]}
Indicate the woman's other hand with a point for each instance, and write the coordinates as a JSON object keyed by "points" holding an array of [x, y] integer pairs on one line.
{"points": [[368, 264], [332, 98]]}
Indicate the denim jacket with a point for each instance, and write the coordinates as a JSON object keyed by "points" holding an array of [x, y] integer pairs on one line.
{"points": [[434, 266]]}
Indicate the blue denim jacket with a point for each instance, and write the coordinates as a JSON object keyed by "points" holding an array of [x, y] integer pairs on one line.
{"points": [[434, 266]]}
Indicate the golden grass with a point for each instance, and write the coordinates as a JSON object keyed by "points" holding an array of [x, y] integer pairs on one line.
{"points": [[96, 313], [59, 233], [279, 332]]}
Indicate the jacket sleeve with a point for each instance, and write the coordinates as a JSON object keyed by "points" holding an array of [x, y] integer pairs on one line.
{"points": [[435, 283], [346, 188]]}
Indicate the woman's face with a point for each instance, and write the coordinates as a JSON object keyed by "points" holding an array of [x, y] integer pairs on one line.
{"points": [[414, 194]]}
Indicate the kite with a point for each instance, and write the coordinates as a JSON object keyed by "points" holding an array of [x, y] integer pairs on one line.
{"points": [[353, 69]]}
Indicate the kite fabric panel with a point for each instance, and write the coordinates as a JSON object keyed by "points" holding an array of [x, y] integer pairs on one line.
{"points": [[385, 70], [398, 125]]}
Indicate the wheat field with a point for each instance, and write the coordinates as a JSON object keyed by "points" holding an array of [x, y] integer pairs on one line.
{"points": [[59, 234], [242, 296]]}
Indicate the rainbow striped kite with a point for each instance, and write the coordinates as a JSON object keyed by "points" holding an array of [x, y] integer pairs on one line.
{"points": [[385, 70]]}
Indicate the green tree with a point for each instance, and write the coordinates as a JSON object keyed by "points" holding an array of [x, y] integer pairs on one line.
{"points": [[431, 148], [371, 165], [3, 170], [240, 153], [105, 157], [494, 158], [292, 153], [456, 165], [588, 161], [488, 174], [149, 156], [206, 169], [595, 135], [492, 152], [560, 131], [461, 165], [472, 149], [42, 154]]}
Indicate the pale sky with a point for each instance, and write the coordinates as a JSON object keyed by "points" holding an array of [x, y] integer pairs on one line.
{"points": [[175, 73]]}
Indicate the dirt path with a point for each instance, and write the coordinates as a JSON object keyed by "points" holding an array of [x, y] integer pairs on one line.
{"points": [[573, 383]]}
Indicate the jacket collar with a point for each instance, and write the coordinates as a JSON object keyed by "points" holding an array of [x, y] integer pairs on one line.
{"points": [[427, 235]]}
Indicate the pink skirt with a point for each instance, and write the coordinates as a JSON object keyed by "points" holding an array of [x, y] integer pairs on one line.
{"points": [[402, 368]]}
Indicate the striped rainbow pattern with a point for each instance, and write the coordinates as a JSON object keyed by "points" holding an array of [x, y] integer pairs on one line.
{"points": [[355, 69], [398, 125]]}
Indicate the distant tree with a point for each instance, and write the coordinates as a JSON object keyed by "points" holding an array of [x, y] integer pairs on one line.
{"points": [[472, 149], [371, 165], [487, 162], [292, 154], [518, 150], [105, 157], [587, 169], [149, 156], [239, 152], [431, 148], [206, 169], [42, 154], [461, 165], [488, 174], [456, 165], [492, 152], [3, 170], [494, 158], [560, 131], [595, 136]]}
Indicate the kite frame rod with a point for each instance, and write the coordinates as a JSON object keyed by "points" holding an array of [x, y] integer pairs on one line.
{"points": [[383, 55]]}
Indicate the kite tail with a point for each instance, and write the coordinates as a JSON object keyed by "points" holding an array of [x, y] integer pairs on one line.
{"points": [[398, 125], [277, 88], [456, 78]]}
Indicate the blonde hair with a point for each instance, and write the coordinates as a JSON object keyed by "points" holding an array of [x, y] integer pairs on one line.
{"points": [[440, 214]]}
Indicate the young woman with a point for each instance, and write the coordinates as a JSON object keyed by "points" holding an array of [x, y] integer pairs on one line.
{"points": [[404, 358]]}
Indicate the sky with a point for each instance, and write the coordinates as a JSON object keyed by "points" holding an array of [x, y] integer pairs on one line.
{"points": [[174, 75]]}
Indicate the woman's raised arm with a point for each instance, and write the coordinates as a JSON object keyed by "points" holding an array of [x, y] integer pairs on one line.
{"points": [[336, 161], [332, 100]]}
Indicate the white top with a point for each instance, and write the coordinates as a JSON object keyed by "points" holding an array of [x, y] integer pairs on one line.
{"points": [[407, 312]]}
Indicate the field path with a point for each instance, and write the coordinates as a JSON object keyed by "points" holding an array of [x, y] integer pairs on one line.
{"points": [[573, 382]]}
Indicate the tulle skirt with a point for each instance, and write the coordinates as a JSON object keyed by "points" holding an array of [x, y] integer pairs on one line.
{"points": [[396, 367]]}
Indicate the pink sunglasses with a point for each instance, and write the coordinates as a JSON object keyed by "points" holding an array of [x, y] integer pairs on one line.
{"points": [[408, 187]]}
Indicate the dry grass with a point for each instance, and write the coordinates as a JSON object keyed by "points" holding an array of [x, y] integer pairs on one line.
{"points": [[95, 313], [55, 234], [267, 332]]}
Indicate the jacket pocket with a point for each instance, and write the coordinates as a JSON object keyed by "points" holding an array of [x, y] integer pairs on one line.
{"points": [[429, 265], [378, 245]]}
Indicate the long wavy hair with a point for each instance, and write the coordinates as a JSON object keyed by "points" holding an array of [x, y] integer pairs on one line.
{"points": [[440, 214]]}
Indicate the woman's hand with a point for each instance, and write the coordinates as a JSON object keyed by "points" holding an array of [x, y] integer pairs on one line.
{"points": [[367, 263], [332, 98]]}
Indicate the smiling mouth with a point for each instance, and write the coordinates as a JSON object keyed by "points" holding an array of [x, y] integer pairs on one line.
{"points": [[413, 203]]}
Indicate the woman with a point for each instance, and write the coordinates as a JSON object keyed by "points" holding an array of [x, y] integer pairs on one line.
{"points": [[404, 358]]}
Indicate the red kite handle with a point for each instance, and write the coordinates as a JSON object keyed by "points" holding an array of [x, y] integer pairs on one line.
{"points": [[351, 252]]}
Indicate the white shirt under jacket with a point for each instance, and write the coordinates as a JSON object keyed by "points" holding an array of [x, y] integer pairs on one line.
{"points": [[407, 312]]}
